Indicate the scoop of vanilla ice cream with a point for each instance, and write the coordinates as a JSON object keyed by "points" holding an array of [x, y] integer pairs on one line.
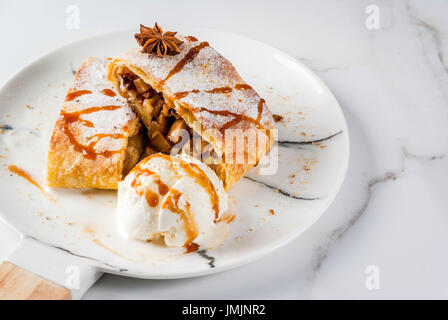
{"points": [[178, 198]]}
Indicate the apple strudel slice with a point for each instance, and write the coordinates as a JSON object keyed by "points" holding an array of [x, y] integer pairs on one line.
{"points": [[97, 138], [199, 91]]}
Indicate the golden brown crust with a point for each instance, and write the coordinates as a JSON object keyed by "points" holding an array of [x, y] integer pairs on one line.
{"points": [[206, 90], [89, 141]]}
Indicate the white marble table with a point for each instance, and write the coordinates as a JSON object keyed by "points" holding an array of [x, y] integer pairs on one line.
{"points": [[386, 235]]}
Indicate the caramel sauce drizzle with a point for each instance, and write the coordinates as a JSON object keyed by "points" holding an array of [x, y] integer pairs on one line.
{"points": [[191, 38], [88, 151], [194, 171], [260, 110], [22, 173], [86, 123], [191, 247], [236, 117], [227, 218], [242, 86], [138, 171], [191, 54], [183, 94], [109, 93], [239, 86], [220, 90], [99, 136], [72, 95], [172, 203], [163, 188], [151, 197]]}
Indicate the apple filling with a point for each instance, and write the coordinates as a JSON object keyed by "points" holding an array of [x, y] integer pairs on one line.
{"points": [[134, 150], [166, 128]]}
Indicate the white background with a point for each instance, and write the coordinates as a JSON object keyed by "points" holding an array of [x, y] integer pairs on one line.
{"points": [[392, 84]]}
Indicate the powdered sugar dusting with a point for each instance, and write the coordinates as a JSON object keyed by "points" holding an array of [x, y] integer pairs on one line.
{"points": [[155, 66], [206, 71], [92, 76]]}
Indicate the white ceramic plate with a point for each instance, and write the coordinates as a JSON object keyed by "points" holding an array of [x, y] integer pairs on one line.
{"points": [[82, 222]]}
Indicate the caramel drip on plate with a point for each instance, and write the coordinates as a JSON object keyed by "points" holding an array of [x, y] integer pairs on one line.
{"points": [[191, 54], [109, 93], [88, 151], [72, 95], [172, 203], [22, 173]]}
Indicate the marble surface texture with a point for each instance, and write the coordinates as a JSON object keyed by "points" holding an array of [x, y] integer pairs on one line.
{"points": [[391, 216]]}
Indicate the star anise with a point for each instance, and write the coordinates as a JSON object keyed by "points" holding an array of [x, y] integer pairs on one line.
{"points": [[154, 40]]}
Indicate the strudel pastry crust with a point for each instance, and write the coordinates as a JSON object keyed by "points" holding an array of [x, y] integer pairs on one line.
{"points": [[205, 90], [96, 138]]}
